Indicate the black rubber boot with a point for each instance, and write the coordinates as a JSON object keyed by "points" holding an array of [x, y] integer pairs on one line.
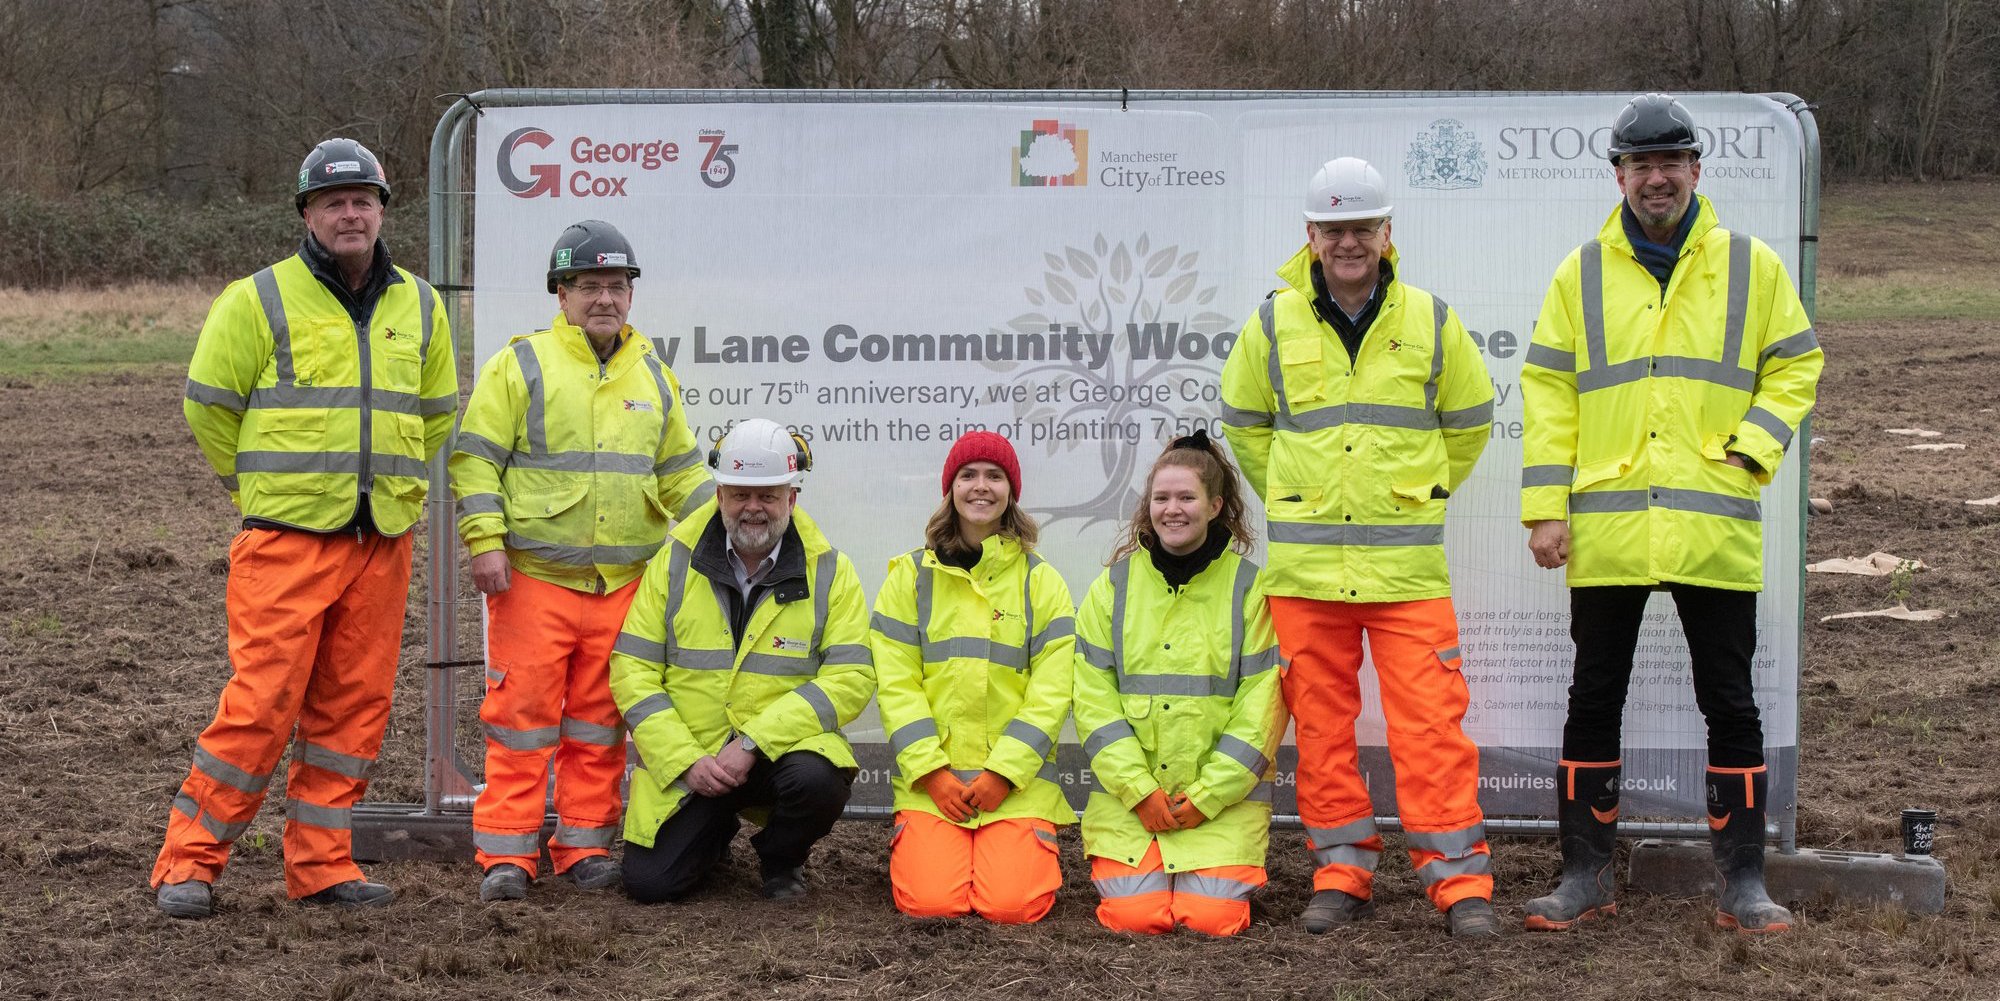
{"points": [[1736, 827], [1587, 814]]}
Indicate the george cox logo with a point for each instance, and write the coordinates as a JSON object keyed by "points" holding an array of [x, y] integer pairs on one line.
{"points": [[602, 169], [1446, 157], [1052, 154]]}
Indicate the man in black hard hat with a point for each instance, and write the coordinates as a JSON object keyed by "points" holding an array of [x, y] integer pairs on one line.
{"points": [[319, 390], [1670, 368], [573, 455]]}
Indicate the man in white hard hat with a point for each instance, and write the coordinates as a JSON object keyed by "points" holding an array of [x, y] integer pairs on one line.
{"points": [[744, 653], [1356, 404]]}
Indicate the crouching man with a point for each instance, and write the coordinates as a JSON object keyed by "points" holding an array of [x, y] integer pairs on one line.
{"points": [[745, 652]]}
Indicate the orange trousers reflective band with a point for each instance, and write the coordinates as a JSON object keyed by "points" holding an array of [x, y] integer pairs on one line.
{"points": [[548, 702], [1006, 871], [315, 627], [1414, 645], [1148, 900]]}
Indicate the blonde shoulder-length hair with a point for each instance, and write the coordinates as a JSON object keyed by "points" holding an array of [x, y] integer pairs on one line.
{"points": [[941, 533]]}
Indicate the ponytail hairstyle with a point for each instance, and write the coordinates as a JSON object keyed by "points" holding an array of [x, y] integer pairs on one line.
{"points": [[1218, 477]]}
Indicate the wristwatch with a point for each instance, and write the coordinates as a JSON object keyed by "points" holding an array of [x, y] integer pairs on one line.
{"points": [[748, 744]]}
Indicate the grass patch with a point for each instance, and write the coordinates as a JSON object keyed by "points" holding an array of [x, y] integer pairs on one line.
{"points": [[1909, 251], [84, 331]]}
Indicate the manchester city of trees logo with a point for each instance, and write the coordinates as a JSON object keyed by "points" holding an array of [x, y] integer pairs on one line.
{"points": [[1446, 156]]}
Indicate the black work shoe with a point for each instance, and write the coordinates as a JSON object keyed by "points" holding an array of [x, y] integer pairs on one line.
{"points": [[785, 884], [594, 872], [505, 881], [190, 899], [1329, 908], [353, 893], [1474, 917]]}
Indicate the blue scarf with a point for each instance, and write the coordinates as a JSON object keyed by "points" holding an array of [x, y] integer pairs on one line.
{"points": [[1658, 258]]}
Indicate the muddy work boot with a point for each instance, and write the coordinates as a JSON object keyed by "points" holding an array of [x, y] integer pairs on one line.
{"points": [[1329, 909], [353, 893], [785, 884], [1474, 917], [1587, 817], [189, 899], [505, 881], [594, 872], [1736, 829]]}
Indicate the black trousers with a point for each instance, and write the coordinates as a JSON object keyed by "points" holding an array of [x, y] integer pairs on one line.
{"points": [[804, 793], [1721, 630]]}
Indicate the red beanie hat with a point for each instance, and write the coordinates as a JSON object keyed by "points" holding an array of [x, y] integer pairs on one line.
{"points": [[982, 446]]}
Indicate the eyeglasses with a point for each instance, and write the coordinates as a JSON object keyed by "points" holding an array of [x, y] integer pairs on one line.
{"points": [[1671, 168], [592, 290], [1337, 231]]}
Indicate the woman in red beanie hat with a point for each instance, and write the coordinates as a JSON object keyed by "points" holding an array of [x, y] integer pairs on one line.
{"points": [[973, 640]]}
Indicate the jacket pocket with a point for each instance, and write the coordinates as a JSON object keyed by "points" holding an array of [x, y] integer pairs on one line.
{"points": [[548, 502], [1593, 473], [1418, 494], [1300, 362], [402, 362]]}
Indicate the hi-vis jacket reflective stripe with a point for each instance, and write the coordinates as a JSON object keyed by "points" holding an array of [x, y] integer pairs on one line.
{"points": [[974, 668], [1177, 689], [1354, 460], [575, 465], [1633, 399], [296, 405], [800, 673]]}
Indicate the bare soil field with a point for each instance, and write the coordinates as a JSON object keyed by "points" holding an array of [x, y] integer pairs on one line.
{"points": [[112, 652]]}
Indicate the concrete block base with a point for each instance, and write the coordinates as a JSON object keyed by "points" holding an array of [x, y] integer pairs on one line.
{"points": [[1687, 869]]}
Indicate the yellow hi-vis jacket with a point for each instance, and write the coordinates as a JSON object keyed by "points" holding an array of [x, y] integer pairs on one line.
{"points": [[685, 686], [1177, 690], [974, 671], [1633, 399], [573, 464], [296, 406], [1354, 460]]}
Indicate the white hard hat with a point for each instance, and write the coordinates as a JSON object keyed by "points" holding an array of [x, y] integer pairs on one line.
{"points": [[1346, 189], [759, 453]]}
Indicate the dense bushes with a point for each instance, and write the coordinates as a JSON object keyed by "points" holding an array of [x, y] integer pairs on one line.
{"points": [[105, 239]]}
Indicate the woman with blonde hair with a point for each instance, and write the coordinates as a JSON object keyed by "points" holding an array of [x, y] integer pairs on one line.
{"points": [[972, 637], [1178, 703]]}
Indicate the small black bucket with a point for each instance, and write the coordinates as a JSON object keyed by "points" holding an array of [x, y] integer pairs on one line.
{"points": [[1919, 831]]}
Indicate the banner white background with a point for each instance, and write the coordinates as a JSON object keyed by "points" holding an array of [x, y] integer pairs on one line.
{"points": [[863, 248]]}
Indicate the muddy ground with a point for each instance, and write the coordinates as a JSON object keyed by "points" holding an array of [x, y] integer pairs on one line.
{"points": [[111, 654]]}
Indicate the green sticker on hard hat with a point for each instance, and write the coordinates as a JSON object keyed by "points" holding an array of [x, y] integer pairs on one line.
{"points": [[302, 179], [563, 257]]}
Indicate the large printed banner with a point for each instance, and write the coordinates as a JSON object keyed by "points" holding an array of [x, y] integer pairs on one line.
{"points": [[886, 276]]}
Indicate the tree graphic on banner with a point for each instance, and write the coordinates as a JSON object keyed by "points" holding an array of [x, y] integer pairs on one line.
{"points": [[1114, 289]]}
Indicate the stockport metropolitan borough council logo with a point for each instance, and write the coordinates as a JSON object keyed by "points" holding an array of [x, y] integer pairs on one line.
{"points": [[1447, 156], [1052, 154]]}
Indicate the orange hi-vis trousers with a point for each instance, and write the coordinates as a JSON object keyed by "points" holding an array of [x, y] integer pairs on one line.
{"points": [[315, 628], [1424, 697], [1148, 900], [548, 700], [1006, 871]]}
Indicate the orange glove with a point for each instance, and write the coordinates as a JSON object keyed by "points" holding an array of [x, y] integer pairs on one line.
{"points": [[1185, 813], [988, 790], [951, 795], [1155, 813]]}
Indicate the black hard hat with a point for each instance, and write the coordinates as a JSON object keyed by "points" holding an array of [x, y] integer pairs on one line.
{"points": [[339, 163], [1653, 123], [588, 246]]}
